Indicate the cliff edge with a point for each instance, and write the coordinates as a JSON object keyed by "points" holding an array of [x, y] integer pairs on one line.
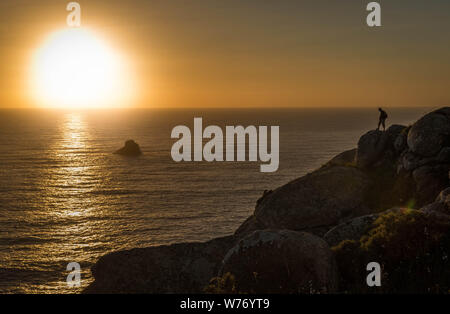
{"points": [[388, 201]]}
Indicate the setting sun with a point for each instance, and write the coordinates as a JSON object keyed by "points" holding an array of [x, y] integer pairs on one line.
{"points": [[74, 68]]}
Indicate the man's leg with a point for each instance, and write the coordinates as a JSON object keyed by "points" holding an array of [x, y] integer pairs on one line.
{"points": [[384, 125]]}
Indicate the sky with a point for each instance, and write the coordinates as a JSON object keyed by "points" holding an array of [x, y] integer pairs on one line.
{"points": [[250, 53]]}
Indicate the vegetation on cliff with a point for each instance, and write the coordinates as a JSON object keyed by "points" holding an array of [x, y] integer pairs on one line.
{"points": [[412, 248]]}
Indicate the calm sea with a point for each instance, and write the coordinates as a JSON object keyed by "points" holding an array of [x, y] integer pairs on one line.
{"points": [[64, 197]]}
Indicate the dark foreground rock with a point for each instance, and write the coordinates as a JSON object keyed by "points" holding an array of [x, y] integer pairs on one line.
{"points": [[441, 207], [248, 226], [177, 268], [347, 158], [370, 147], [430, 133], [429, 181], [323, 198], [353, 229], [350, 230], [131, 149], [281, 261]]}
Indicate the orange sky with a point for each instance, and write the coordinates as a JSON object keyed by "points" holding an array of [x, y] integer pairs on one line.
{"points": [[250, 53]]}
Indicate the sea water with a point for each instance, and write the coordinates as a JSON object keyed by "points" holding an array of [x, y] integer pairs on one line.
{"points": [[65, 197]]}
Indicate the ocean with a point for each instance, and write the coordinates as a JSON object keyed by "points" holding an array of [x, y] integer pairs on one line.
{"points": [[65, 197]]}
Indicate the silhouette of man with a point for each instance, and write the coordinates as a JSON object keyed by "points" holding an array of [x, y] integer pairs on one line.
{"points": [[382, 120]]}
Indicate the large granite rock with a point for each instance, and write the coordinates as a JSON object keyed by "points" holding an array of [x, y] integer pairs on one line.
{"points": [[353, 229], [444, 197], [420, 152], [441, 206], [346, 158], [248, 226], [177, 268], [370, 148], [325, 197], [282, 261], [430, 180], [350, 230], [376, 147], [401, 141], [394, 132], [430, 133], [411, 161]]}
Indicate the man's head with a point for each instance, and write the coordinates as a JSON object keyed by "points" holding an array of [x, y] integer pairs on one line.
{"points": [[379, 109]]}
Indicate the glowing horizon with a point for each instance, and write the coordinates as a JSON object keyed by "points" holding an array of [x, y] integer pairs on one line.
{"points": [[233, 54]]}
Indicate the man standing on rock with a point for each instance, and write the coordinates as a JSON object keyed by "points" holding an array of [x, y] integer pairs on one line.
{"points": [[382, 120]]}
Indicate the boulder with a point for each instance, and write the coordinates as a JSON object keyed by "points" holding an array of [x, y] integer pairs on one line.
{"points": [[437, 210], [346, 158], [394, 132], [377, 150], [177, 268], [430, 181], [444, 197], [430, 133], [444, 155], [248, 226], [325, 197], [353, 229], [440, 206], [401, 141], [131, 148], [370, 148], [411, 161], [281, 261], [350, 230]]}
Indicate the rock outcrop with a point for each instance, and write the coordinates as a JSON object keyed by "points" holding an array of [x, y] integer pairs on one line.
{"points": [[131, 149], [429, 181], [346, 158], [281, 261], [370, 147], [279, 249], [430, 133], [177, 268], [426, 158], [325, 197], [441, 206], [353, 229], [349, 230], [248, 226]]}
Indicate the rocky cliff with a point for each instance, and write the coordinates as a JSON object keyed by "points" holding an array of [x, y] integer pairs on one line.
{"points": [[387, 201]]}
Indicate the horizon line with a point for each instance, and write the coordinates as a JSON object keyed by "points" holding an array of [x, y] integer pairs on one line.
{"points": [[216, 107]]}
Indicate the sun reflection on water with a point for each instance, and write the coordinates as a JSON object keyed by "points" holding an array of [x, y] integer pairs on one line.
{"points": [[71, 177], [75, 133]]}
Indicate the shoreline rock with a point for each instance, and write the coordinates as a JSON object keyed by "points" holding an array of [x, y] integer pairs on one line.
{"points": [[269, 261], [325, 197], [176, 268]]}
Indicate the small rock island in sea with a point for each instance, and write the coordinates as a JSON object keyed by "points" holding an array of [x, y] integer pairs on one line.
{"points": [[131, 149], [386, 201]]}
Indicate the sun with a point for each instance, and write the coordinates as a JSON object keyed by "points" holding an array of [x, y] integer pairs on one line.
{"points": [[74, 68]]}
